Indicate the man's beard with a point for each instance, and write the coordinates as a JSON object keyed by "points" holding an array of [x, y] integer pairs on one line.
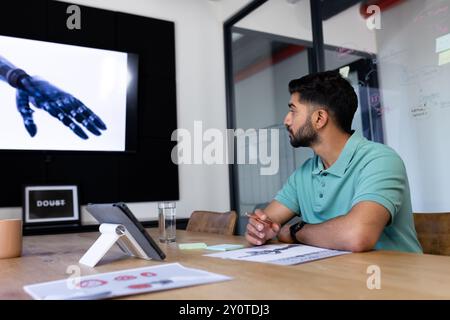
{"points": [[304, 137]]}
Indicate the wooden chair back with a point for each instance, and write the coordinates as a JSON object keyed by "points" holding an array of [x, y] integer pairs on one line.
{"points": [[213, 222], [433, 231]]}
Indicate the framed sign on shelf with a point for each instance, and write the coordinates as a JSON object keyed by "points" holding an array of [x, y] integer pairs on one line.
{"points": [[51, 205]]}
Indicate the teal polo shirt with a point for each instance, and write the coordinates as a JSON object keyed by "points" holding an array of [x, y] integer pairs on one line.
{"points": [[364, 171]]}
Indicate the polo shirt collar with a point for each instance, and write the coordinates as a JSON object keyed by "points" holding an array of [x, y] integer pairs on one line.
{"points": [[338, 168]]}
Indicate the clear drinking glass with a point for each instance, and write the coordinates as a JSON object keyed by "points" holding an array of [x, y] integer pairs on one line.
{"points": [[167, 221]]}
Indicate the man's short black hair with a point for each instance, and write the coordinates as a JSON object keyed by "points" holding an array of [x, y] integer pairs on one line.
{"points": [[331, 91]]}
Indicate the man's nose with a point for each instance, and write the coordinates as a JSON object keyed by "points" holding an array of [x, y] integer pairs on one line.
{"points": [[287, 120]]}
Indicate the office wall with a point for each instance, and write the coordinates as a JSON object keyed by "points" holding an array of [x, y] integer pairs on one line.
{"points": [[294, 21], [281, 18], [200, 93]]}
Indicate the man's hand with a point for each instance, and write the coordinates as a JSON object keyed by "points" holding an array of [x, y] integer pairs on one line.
{"points": [[260, 228]]}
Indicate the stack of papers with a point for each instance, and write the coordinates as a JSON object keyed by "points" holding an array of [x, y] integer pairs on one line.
{"points": [[282, 254]]}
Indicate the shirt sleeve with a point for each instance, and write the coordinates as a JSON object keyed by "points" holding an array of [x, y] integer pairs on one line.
{"points": [[287, 196], [383, 180]]}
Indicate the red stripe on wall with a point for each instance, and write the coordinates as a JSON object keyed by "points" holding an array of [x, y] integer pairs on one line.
{"points": [[383, 4]]}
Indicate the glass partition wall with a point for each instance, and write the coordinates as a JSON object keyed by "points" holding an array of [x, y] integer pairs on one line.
{"points": [[269, 47], [400, 81], [405, 84]]}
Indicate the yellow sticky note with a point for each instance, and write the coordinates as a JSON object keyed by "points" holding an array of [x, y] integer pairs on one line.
{"points": [[444, 57], [225, 247], [192, 246]]}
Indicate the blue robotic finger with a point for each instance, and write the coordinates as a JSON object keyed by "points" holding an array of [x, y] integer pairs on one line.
{"points": [[84, 111], [53, 109], [22, 103], [71, 106]]}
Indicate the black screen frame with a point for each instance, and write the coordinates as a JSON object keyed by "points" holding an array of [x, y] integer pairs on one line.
{"points": [[103, 176]]}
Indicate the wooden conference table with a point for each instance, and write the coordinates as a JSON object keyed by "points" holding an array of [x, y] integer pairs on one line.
{"points": [[403, 276]]}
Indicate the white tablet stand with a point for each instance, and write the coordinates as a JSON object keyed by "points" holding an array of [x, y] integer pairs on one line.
{"points": [[110, 234]]}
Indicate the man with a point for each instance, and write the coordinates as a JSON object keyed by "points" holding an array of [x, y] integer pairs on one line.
{"points": [[353, 194]]}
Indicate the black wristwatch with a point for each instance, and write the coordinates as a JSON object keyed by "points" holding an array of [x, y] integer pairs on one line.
{"points": [[295, 228]]}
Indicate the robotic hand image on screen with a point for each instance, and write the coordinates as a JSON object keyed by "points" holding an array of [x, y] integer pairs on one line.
{"points": [[46, 96]]}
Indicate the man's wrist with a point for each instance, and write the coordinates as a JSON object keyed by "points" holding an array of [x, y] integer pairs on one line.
{"points": [[294, 229]]}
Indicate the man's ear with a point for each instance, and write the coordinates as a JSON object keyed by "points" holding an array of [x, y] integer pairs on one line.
{"points": [[320, 118]]}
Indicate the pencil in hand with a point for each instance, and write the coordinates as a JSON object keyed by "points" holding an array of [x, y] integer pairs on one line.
{"points": [[267, 221]]}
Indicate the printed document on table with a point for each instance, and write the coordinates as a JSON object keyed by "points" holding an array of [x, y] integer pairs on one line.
{"points": [[283, 254], [123, 283]]}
